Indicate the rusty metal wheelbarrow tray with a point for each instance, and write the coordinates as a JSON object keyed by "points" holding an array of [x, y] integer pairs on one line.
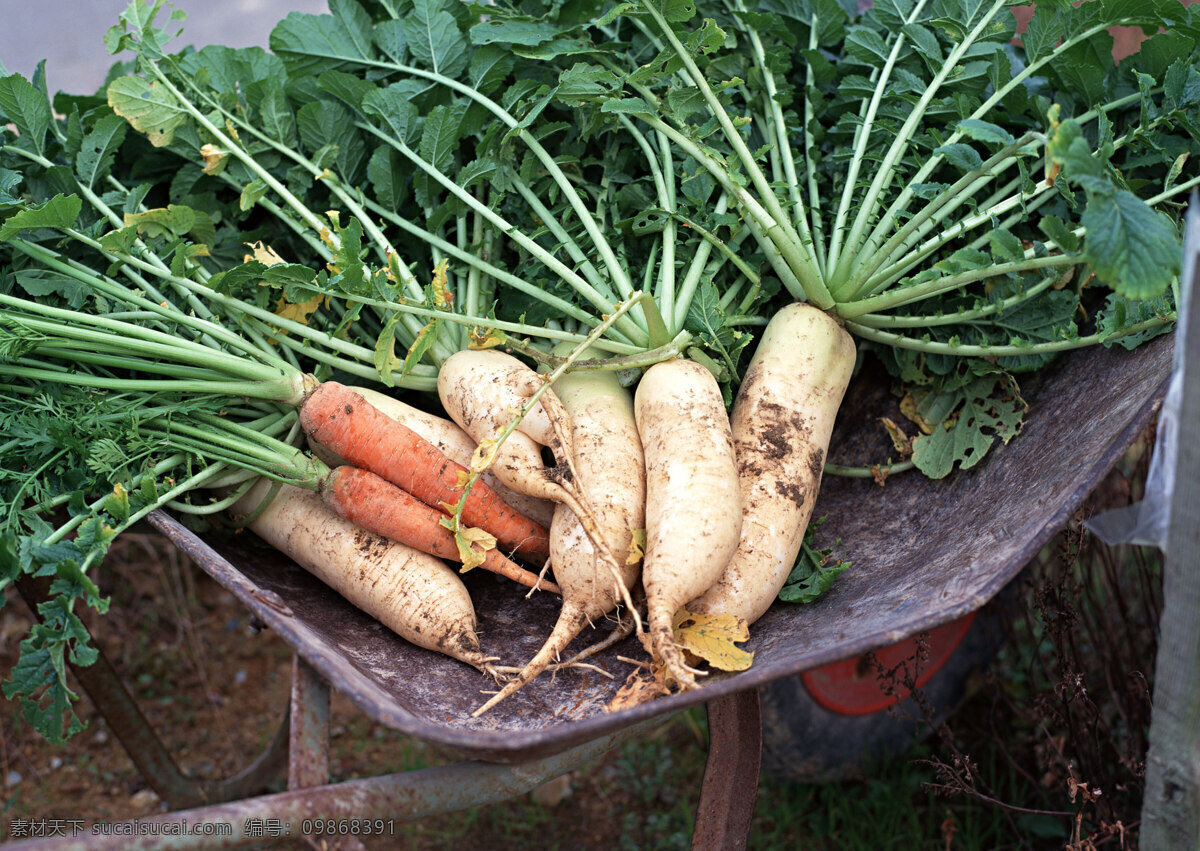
{"points": [[923, 553]]}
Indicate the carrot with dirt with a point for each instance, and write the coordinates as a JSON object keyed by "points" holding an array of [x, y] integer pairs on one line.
{"points": [[373, 503], [693, 502], [781, 423], [339, 418], [410, 592], [448, 437], [609, 462], [353, 494]]}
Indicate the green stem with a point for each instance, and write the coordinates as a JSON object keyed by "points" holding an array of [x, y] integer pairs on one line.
{"points": [[551, 262], [887, 320], [964, 350], [862, 135], [888, 219], [867, 209], [917, 292], [794, 249]]}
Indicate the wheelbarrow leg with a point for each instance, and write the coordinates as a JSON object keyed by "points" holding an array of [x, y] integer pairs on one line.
{"points": [[308, 754], [153, 761], [730, 784]]}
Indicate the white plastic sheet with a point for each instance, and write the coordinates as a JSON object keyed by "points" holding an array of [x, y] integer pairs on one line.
{"points": [[1146, 523]]}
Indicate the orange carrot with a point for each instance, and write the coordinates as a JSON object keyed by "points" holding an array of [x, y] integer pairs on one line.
{"points": [[340, 419], [370, 502]]}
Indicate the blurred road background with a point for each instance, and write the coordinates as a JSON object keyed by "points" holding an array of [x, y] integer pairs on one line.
{"points": [[69, 34]]}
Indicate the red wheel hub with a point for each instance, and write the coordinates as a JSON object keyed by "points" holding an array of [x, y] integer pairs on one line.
{"points": [[855, 686]]}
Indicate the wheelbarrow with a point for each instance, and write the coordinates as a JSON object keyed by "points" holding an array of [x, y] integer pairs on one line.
{"points": [[924, 555]]}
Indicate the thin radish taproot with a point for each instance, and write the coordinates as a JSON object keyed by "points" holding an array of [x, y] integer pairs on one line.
{"points": [[782, 420], [693, 501], [342, 420], [608, 460], [410, 592]]}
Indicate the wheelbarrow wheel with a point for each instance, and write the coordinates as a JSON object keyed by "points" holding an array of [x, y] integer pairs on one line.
{"points": [[834, 722]]}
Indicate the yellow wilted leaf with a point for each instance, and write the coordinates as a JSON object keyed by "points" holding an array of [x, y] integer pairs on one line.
{"points": [[637, 546], [900, 440], [485, 454], [908, 407], [442, 297], [473, 545], [214, 158], [639, 687], [263, 254], [485, 338], [297, 312], [712, 638]]}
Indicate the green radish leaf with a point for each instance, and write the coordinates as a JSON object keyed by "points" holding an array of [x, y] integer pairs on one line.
{"points": [[174, 220], [310, 44], [386, 361], [149, 107], [926, 44], [252, 192], [983, 410], [59, 212], [1133, 249], [961, 156], [387, 171], [120, 240], [627, 106], [813, 573], [866, 47], [329, 126], [297, 281], [1006, 247], [1043, 33], [434, 39], [583, 82], [347, 88], [1120, 314], [39, 678], [393, 105], [528, 32], [98, 148], [391, 38], [985, 131], [352, 276], [1059, 233], [40, 283], [1181, 86], [9, 180], [27, 109], [73, 582], [489, 66]]}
